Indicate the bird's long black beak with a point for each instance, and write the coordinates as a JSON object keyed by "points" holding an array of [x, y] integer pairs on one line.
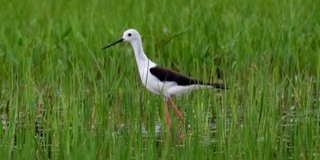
{"points": [[112, 44]]}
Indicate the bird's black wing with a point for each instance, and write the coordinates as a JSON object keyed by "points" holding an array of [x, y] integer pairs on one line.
{"points": [[164, 74]]}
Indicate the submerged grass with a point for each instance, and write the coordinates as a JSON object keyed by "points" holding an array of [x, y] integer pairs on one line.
{"points": [[64, 98]]}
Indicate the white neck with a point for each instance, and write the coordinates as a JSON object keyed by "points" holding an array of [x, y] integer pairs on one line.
{"points": [[138, 51], [142, 60]]}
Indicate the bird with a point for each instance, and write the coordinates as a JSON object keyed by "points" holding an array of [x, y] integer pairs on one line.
{"points": [[160, 80]]}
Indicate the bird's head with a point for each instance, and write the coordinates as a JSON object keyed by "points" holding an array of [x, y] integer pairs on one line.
{"points": [[129, 35]]}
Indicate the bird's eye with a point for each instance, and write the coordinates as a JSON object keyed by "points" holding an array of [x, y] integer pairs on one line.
{"points": [[129, 34]]}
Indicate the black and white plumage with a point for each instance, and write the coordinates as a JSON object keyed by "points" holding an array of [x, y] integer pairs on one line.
{"points": [[160, 80], [165, 74]]}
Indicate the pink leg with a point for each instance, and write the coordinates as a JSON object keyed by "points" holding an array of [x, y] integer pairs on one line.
{"points": [[180, 118], [167, 114], [176, 109]]}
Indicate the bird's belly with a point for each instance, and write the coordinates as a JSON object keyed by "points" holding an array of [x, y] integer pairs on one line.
{"points": [[179, 90], [155, 86], [168, 89]]}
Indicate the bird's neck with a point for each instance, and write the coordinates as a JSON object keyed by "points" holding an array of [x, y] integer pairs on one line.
{"points": [[142, 60], [139, 53]]}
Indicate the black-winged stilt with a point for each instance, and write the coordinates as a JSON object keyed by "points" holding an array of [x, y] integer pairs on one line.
{"points": [[160, 80]]}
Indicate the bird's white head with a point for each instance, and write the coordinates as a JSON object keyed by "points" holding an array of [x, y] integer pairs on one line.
{"points": [[130, 35]]}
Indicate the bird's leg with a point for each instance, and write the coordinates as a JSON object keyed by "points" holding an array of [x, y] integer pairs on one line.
{"points": [[167, 114], [180, 118], [176, 109]]}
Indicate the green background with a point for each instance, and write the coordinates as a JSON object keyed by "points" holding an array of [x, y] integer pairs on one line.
{"points": [[65, 98]]}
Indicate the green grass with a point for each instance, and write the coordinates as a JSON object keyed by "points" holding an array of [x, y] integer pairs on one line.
{"points": [[90, 104]]}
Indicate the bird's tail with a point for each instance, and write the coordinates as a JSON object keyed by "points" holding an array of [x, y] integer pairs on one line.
{"points": [[218, 86], [213, 85]]}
